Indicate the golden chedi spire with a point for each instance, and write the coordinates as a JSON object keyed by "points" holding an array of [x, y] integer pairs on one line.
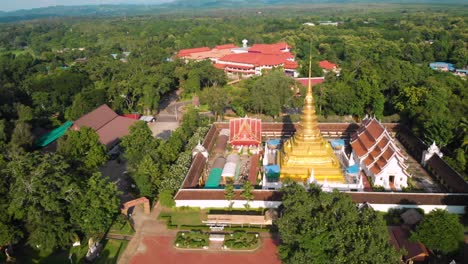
{"points": [[307, 152]]}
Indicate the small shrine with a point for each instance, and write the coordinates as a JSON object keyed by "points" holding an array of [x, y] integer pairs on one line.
{"points": [[376, 153], [245, 132]]}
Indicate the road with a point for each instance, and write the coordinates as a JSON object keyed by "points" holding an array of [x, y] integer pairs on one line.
{"points": [[169, 116]]}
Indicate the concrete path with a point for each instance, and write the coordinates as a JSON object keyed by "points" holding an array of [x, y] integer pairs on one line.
{"points": [[145, 226]]}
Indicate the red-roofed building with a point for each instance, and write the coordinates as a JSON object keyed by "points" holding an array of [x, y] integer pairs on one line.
{"points": [[415, 252], [108, 125], [378, 156], [329, 67], [246, 61], [245, 132], [313, 80], [185, 52]]}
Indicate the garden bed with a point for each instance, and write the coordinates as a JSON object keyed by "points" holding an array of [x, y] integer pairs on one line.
{"points": [[192, 239], [241, 240]]}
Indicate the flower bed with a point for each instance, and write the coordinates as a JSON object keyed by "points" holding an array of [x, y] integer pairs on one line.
{"points": [[192, 239], [241, 240]]}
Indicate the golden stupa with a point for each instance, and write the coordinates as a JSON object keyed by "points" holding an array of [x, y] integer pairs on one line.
{"points": [[307, 153]]}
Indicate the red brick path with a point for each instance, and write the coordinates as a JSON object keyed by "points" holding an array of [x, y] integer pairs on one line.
{"points": [[159, 249]]}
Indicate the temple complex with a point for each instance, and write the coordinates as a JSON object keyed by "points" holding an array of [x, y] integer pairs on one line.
{"points": [[307, 155]]}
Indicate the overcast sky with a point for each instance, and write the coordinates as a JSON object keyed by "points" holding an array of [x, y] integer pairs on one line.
{"points": [[10, 5]]}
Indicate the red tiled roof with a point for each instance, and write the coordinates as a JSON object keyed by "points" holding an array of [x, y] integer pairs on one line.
{"points": [[290, 64], [185, 52], [96, 118], [253, 171], [276, 48], [107, 124], [314, 81], [219, 66], [415, 250], [375, 128], [226, 46], [364, 143], [132, 116], [256, 59], [327, 65], [115, 129], [245, 131]]}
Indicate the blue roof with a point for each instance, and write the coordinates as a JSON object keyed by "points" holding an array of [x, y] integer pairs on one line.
{"points": [[436, 64], [353, 169], [272, 169], [274, 142], [53, 135], [337, 143], [214, 178]]}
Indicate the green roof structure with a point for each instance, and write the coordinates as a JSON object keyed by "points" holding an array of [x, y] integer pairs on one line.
{"points": [[53, 135], [214, 178]]}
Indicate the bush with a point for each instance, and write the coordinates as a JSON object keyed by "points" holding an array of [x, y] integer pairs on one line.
{"points": [[166, 198], [192, 239], [241, 240]]}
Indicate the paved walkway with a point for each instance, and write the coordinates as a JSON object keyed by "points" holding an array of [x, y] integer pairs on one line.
{"points": [[145, 226]]}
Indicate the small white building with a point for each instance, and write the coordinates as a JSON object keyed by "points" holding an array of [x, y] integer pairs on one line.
{"points": [[378, 156]]}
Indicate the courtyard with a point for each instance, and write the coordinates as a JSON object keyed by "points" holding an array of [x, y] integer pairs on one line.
{"points": [[160, 249]]}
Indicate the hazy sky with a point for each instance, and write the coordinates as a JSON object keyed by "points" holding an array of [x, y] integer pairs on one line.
{"points": [[9, 5]]}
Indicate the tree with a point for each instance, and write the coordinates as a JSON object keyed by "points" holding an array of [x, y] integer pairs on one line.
{"points": [[229, 193], [22, 136], [96, 205], [247, 193], [40, 191], [139, 142], [216, 98], [319, 227], [83, 149], [440, 231], [147, 177]]}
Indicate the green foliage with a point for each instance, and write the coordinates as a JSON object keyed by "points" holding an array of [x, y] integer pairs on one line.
{"points": [[193, 239], [247, 193], [229, 193], [95, 207], [270, 93], [21, 136], [327, 227], [216, 98], [440, 231], [83, 149], [241, 240], [166, 198]]}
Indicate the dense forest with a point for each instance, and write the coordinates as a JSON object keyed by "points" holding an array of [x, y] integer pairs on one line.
{"points": [[59, 69]]}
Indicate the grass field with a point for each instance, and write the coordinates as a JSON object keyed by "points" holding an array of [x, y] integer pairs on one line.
{"points": [[121, 228]]}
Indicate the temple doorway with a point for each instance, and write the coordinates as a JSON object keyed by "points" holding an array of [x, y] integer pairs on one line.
{"points": [[391, 178]]}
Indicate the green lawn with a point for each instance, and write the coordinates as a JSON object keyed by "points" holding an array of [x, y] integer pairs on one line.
{"points": [[122, 228], [184, 216], [187, 217], [112, 251]]}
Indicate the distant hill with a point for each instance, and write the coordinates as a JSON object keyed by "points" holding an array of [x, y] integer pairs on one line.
{"points": [[180, 5]]}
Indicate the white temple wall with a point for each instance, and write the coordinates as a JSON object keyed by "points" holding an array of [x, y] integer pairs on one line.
{"points": [[455, 209], [225, 203]]}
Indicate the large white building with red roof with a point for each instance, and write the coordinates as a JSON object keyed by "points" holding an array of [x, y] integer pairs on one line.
{"points": [[245, 62], [377, 155]]}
